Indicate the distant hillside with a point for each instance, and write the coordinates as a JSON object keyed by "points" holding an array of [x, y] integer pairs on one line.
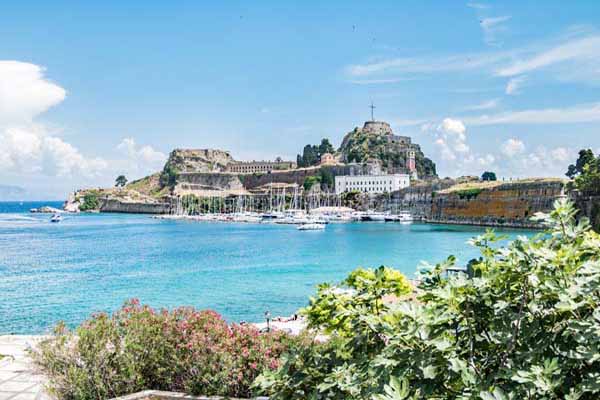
{"points": [[376, 141]]}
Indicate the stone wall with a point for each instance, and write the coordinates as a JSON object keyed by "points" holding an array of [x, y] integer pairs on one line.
{"points": [[296, 176], [189, 182], [508, 204], [118, 206], [589, 206]]}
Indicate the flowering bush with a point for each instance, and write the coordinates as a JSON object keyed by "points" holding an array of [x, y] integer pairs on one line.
{"points": [[138, 348]]}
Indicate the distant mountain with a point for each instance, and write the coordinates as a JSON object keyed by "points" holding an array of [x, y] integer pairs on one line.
{"points": [[11, 193]]}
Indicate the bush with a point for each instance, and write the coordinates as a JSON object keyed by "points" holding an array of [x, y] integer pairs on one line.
{"points": [[138, 348], [524, 325], [90, 202]]}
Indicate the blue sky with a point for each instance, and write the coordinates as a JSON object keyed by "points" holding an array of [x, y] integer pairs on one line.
{"points": [[88, 91]]}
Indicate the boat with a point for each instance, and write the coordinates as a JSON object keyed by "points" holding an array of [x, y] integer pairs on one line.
{"points": [[313, 226], [373, 216], [56, 218], [403, 217]]}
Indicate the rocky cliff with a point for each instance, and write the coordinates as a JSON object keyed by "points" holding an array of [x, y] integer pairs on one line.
{"points": [[376, 141], [198, 160], [509, 204]]}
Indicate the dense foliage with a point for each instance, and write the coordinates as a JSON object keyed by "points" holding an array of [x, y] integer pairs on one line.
{"points": [[168, 176], [361, 147], [138, 348], [311, 154], [585, 173], [488, 176], [121, 181], [90, 201], [524, 325]]}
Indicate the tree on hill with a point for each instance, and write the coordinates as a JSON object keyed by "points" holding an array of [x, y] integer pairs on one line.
{"points": [[121, 181], [311, 154], [586, 156], [488, 176], [325, 147], [585, 173]]}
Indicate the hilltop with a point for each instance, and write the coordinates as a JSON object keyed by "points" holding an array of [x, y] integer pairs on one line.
{"points": [[376, 141]]}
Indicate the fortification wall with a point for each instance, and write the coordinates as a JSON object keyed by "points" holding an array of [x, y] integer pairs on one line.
{"points": [[509, 204], [117, 206], [296, 176], [589, 206]]}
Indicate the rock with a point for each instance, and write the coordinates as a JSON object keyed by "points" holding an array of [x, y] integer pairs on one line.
{"points": [[199, 160]]}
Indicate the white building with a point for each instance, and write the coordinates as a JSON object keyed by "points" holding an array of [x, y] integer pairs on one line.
{"points": [[371, 183]]}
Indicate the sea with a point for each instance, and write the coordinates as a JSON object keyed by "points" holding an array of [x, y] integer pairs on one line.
{"points": [[51, 272]]}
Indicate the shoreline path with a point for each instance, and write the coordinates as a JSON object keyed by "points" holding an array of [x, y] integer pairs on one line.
{"points": [[18, 378]]}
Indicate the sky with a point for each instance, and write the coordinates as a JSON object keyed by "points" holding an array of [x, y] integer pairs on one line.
{"points": [[91, 90]]}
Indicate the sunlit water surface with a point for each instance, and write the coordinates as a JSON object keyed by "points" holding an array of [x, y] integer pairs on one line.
{"points": [[93, 262]]}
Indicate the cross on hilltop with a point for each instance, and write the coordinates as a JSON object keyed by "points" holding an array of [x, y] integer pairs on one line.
{"points": [[372, 107]]}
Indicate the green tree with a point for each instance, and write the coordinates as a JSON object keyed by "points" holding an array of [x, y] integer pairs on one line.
{"points": [[121, 181], [168, 176], [310, 155], [326, 178], [325, 147], [585, 173], [310, 181], [488, 176], [524, 325], [586, 156], [90, 202]]}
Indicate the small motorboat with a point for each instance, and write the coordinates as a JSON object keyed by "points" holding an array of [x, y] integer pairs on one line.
{"points": [[313, 226], [56, 218]]}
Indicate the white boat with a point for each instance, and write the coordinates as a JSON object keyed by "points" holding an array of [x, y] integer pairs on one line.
{"points": [[56, 218], [403, 217], [313, 226], [374, 216]]}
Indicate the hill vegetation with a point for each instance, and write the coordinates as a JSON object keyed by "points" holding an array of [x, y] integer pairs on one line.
{"points": [[363, 145]]}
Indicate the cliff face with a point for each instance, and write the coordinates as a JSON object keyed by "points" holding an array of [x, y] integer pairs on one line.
{"points": [[199, 160], [495, 203], [208, 184], [376, 141]]}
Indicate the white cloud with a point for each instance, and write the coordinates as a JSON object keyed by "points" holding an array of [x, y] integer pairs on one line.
{"points": [[437, 64], [478, 6], [575, 114], [584, 49], [376, 81], [27, 146], [451, 139], [486, 105], [513, 86], [561, 154], [545, 162], [572, 57], [25, 92], [140, 160], [491, 27], [512, 147]]}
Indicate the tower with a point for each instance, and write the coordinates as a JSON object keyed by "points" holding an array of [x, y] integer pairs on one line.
{"points": [[410, 162]]}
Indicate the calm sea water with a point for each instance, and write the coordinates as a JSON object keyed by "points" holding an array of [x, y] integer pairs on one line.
{"points": [[93, 262]]}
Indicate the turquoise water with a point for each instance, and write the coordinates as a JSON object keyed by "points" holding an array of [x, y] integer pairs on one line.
{"points": [[93, 262]]}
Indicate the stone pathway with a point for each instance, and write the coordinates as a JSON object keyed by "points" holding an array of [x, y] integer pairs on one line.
{"points": [[18, 380]]}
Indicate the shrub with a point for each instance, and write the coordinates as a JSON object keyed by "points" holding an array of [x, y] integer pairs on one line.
{"points": [[138, 348], [524, 324], [469, 193], [90, 202]]}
